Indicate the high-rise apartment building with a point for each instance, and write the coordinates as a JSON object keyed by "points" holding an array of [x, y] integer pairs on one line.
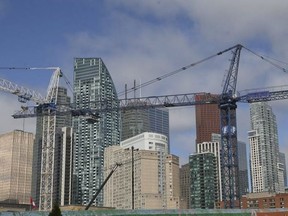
{"points": [[61, 121], [136, 121], [204, 191], [92, 84], [266, 173], [282, 159], [16, 152], [207, 120], [213, 147]]}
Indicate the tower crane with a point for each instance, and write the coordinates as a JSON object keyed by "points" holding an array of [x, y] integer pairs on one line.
{"points": [[46, 104], [227, 102]]}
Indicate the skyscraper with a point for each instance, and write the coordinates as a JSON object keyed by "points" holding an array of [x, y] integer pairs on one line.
{"points": [[243, 168], [207, 120], [136, 121], [92, 84], [16, 151], [266, 175]]}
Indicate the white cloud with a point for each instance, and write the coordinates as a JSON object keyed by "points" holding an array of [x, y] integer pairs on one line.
{"points": [[146, 39]]}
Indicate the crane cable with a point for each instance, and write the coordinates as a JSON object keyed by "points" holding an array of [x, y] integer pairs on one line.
{"points": [[201, 61], [176, 71], [269, 61]]}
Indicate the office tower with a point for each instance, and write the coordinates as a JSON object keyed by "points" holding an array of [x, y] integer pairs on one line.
{"points": [[264, 149], [243, 168], [61, 121], [204, 190], [16, 152], [282, 160], [154, 172], [185, 184], [207, 120], [136, 121], [92, 83], [213, 147]]}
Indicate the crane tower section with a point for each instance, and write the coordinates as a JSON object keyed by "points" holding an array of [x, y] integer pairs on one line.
{"points": [[229, 152]]}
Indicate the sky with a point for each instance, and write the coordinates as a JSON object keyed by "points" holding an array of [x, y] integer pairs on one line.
{"points": [[142, 40]]}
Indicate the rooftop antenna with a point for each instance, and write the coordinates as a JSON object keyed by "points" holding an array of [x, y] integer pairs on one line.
{"points": [[134, 88], [140, 88], [125, 92]]}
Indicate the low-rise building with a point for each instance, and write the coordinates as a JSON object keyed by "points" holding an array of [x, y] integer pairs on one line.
{"points": [[264, 200]]}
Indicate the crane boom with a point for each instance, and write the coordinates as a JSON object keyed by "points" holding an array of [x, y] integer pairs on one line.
{"points": [[124, 104], [165, 101], [24, 94]]}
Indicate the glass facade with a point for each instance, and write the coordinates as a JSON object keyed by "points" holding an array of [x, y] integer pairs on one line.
{"points": [[92, 83], [137, 121], [203, 180], [243, 168]]}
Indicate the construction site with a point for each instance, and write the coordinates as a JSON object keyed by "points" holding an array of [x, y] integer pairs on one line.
{"points": [[49, 110]]}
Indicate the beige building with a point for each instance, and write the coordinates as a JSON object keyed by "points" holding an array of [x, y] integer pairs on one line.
{"points": [[118, 190], [16, 151], [172, 182], [156, 178]]}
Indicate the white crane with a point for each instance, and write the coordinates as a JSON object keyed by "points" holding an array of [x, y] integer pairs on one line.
{"points": [[49, 127]]}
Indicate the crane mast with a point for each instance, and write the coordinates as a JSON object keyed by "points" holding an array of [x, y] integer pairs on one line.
{"points": [[229, 149], [46, 106], [48, 144]]}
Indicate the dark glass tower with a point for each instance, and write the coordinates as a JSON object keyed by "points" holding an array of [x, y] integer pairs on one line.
{"points": [[137, 121], [243, 168], [92, 83]]}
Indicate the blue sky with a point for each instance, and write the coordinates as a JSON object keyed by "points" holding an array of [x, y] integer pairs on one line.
{"points": [[142, 40]]}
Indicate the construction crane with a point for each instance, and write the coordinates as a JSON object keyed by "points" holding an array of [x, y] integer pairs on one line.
{"points": [[47, 105], [24, 94], [227, 102]]}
